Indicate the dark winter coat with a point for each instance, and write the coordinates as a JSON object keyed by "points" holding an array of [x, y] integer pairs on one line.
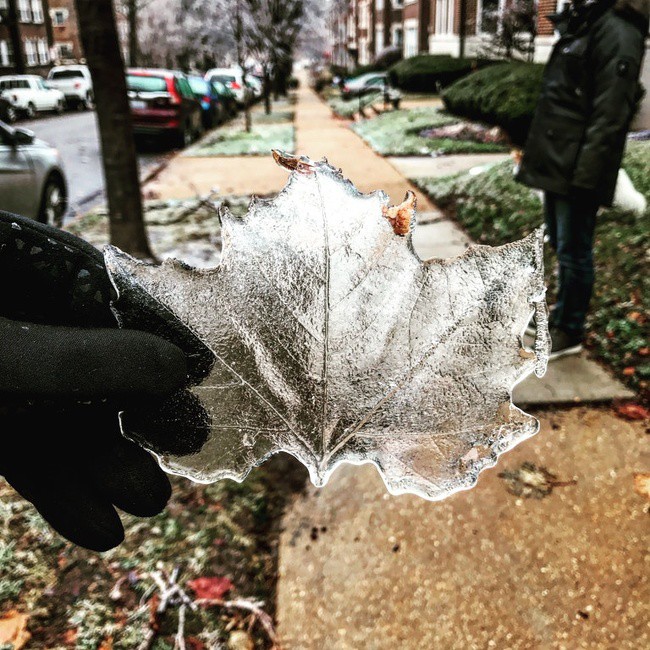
{"points": [[587, 101]]}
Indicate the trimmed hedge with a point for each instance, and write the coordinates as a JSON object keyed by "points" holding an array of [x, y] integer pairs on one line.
{"points": [[427, 72], [504, 95]]}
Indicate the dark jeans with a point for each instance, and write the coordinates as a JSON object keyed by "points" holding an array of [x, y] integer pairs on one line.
{"points": [[570, 221]]}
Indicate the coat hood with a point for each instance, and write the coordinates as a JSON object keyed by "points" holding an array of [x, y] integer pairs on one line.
{"points": [[637, 11]]}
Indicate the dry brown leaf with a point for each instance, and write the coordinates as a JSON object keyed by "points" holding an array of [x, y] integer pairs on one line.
{"points": [[13, 629], [632, 411], [642, 485]]}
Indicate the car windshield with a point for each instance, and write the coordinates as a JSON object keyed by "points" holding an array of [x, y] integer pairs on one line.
{"points": [[66, 74], [140, 83], [223, 78], [199, 86]]}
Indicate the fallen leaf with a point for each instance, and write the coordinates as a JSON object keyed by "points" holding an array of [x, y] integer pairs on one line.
{"points": [[13, 630], [193, 643], [632, 411], [642, 485], [70, 636], [329, 338], [629, 371], [213, 588], [106, 644], [240, 640], [531, 482]]}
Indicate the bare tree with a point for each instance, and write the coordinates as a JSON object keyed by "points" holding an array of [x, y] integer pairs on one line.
{"points": [[273, 35], [186, 34], [241, 29], [514, 32], [101, 46]]}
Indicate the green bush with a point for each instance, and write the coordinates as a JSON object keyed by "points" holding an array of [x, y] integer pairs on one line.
{"points": [[427, 72], [504, 95]]}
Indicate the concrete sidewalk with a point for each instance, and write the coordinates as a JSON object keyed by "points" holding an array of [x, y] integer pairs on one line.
{"points": [[363, 570]]}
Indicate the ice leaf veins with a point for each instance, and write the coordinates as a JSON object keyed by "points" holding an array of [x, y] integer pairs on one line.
{"points": [[328, 338]]}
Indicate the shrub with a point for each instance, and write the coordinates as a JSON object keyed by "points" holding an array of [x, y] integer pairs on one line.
{"points": [[427, 72], [504, 95]]}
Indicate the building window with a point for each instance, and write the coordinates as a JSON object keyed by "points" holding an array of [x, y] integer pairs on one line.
{"points": [[64, 51], [411, 41], [379, 38], [24, 11], [37, 11], [489, 15], [59, 17], [445, 16], [6, 54], [43, 51], [398, 37], [31, 56], [379, 5]]}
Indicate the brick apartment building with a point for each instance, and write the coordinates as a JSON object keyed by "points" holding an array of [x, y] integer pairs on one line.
{"points": [[67, 44], [25, 36], [365, 27]]}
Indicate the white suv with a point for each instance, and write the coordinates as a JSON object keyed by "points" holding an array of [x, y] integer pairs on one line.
{"points": [[29, 94], [74, 82]]}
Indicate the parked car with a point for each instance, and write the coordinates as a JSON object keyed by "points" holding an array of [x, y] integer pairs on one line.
{"points": [[233, 79], [256, 85], [227, 97], [30, 94], [162, 102], [214, 111], [76, 84], [8, 112], [365, 84], [32, 180]]}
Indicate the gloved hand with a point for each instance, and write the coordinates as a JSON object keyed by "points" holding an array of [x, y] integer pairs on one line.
{"points": [[66, 372]]}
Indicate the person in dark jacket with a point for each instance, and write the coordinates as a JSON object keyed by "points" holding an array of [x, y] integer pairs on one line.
{"points": [[576, 141]]}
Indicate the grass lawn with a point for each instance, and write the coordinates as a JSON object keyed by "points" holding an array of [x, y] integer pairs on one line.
{"points": [[397, 133], [495, 209], [234, 141], [83, 600]]}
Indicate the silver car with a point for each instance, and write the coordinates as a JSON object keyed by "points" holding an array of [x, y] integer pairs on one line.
{"points": [[32, 180]]}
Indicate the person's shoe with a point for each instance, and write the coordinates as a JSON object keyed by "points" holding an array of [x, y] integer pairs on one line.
{"points": [[563, 344]]}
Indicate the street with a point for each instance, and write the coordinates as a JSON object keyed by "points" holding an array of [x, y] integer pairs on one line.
{"points": [[76, 137]]}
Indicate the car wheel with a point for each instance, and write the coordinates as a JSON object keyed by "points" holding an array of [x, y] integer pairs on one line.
{"points": [[53, 205], [60, 107], [89, 102], [11, 116], [188, 135], [30, 111]]}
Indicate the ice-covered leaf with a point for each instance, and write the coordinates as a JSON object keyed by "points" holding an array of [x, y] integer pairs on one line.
{"points": [[331, 340]]}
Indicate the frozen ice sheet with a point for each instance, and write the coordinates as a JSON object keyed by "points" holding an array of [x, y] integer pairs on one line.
{"points": [[331, 340]]}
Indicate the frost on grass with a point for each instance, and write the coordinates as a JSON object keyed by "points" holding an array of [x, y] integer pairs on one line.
{"points": [[234, 141], [331, 340]]}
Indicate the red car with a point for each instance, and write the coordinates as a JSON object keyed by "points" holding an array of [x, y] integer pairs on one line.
{"points": [[162, 102]]}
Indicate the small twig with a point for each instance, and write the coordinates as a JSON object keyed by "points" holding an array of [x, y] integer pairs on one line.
{"points": [[254, 607], [179, 641]]}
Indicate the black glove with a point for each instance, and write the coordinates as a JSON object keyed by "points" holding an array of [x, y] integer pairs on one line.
{"points": [[67, 371]]}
